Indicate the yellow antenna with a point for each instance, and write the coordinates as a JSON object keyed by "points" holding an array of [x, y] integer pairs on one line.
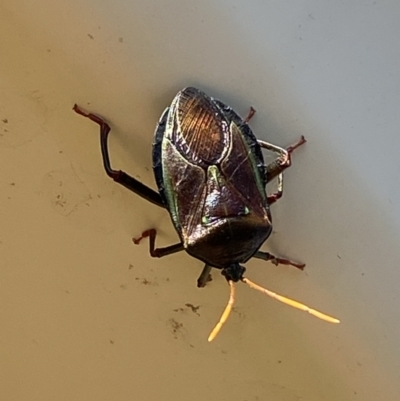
{"points": [[225, 314], [289, 302]]}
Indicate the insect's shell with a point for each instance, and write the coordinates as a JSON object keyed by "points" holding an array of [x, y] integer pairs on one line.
{"points": [[210, 174]]}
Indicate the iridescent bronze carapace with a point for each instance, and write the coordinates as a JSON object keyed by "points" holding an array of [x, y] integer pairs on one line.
{"points": [[212, 180]]}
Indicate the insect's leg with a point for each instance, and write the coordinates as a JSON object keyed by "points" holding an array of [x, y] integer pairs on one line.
{"points": [[278, 194], [283, 161], [250, 115], [278, 261], [204, 277], [117, 175], [157, 252]]}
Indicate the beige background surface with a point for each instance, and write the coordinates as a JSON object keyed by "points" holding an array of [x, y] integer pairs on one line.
{"points": [[84, 314]]}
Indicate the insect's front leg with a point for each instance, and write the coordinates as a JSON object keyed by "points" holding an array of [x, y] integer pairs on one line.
{"points": [[204, 277], [117, 175], [278, 261], [157, 252]]}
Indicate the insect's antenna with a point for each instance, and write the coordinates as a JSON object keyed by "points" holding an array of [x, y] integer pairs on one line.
{"points": [[291, 302], [225, 314]]}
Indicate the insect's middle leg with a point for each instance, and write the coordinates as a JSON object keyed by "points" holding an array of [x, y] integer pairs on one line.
{"points": [[157, 252], [278, 194], [283, 161], [276, 168]]}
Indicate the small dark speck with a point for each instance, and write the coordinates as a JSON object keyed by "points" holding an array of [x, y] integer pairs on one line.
{"points": [[146, 282], [48, 50], [111, 342], [176, 327], [67, 292], [5, 120], [311, 16], [123, 286], [130, 267], [362, 274], [279, 361], [120, 40], [60, 151], [147, 169], [193, 308], [338, 256], [191, 345], [12, 184], [90, 36]]}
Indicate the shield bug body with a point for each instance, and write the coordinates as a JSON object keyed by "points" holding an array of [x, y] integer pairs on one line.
{"points": [[211, 178]]}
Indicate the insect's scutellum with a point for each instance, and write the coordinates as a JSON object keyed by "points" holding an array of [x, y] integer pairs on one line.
{"points": [[211, 178]]}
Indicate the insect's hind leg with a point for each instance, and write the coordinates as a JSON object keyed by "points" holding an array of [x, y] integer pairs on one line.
{"points": [[250, 115], [117, 175]]}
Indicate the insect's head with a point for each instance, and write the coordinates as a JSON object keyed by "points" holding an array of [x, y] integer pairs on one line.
{"points": [[234, 272]]}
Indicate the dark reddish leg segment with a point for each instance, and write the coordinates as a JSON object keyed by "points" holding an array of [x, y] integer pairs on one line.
{"points": [[278, 261], [250, 115], [117, 175], [283, 161], [300, 142], [274, 197], [157, 252]]}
